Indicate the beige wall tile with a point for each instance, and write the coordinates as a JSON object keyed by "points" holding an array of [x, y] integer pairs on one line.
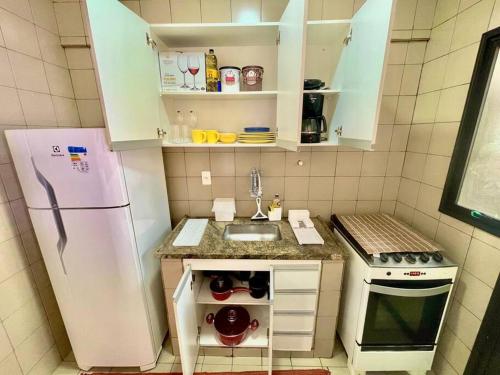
{"points": [[156, 11], [5, 346], [296, 188], [48, 363], [426, 107], [66, 111], [59, 81], [383, 138], [44, 15], [391, 188], [28, 72], [471, 24], [24, 321], [349, 163], [393, 77], [367, 207], [395, 163], [374, 163], [10, 111], [488, 238], [463, 324], [196, 163], [436, 169], [298, 163], [464, 4], [455, 242], [460, 65], [90, 113], [388, 207], [410, 79], [473, 294], [370, 188], [404, 112], [79, 58], [419, 138], [84, 84], [185, 11], [270, 186], [397, 53], [428, 200], [272, 163], [445, 9], [388, 108], [321, 189], [425, 224], [404, 213], [323, 163], [483, 261], [338, 9], [344, 207], [178, 209], [405, 14], [10, 366], [416, 51], [408, 192], [320, 208], [50, 47], [246, 10], [451, 104], [433, 74], [69, 19], [18, 7], [201, 208], [273, 10], [177, 188], [293, 205], [6, 76], [32, 350], [37, 108], [12, 258], [495, 17], [460, 225], [15, 292], [454, 350], [345, 188], [197, 191], [223, 187], [19, 34], [414, 166], [399, 138], [8, 228], [424, 14], [440, 41], [175, 165], [443, 138], [222, 164]]}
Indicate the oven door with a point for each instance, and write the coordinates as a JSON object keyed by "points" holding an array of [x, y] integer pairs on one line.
{"points": [[403, 315]]}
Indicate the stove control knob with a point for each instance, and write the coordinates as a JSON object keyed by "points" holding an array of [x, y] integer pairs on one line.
{"points": [[437, 257], [397, 257], [424, 257], [384, 257], [410, 258]]}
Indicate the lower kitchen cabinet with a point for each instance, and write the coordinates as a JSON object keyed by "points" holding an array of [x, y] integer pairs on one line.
{"points": [[289, 316]]}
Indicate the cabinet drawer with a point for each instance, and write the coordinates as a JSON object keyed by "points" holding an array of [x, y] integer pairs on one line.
{"points": [[294, 302], [292, 342], [296, 279], [293, 323]]}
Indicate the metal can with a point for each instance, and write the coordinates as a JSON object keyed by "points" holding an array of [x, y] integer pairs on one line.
{"points": [[252, 78], [230, 78]]}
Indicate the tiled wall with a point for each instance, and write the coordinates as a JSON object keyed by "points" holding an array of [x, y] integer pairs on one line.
{"points": [[331, 179], [447, 70], [36, 90]]}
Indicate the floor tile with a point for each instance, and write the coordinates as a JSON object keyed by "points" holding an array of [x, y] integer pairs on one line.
{"points": [[162, 367], [339, 359], [307, 367], [247, 361], [282, 362], [215, 368], [277, 368], [67, 368], [239, 368], [306, 362], [215, 360], [176, 367], [166, 357]]}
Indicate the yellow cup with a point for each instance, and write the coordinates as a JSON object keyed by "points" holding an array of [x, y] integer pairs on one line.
{"points": [[213, 136], [199, 136]]}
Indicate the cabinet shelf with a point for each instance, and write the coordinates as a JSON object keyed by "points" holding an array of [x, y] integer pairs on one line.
{"points": [[189, 95], [255, 339], [217, 145], [205, 297], [217, 34], [327, 92]]}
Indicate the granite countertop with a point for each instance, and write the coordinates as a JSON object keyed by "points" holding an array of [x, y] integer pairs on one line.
{"points": [[212, 246]]}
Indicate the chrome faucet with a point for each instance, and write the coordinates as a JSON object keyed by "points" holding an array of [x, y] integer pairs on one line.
{"points": [[256, 192]]}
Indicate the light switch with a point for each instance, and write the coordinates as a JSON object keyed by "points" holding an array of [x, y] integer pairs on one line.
{"points": [[206, 179]]}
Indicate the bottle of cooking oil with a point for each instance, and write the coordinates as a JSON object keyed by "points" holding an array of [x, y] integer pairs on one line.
{"points": [[211, 71]]}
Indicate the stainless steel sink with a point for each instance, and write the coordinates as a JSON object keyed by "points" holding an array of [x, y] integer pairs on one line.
{"points": [[252, 232]]}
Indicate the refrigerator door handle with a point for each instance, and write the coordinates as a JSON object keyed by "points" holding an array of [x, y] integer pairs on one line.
{"points": [[63, 239]]}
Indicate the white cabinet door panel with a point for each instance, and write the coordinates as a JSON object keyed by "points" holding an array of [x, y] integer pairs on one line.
{"points": [[128, 74], [291, 62], [360, 75]]}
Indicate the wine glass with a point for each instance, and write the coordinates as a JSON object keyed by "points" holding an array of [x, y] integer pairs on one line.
{"points": [[194, 68], [183, 67]]}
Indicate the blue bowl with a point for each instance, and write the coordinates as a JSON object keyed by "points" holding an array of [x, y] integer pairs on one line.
{"points": [[255, 129]]}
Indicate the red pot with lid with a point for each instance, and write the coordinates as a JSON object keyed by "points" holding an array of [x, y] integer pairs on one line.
{"points": [[222, 288], [232, 324]]}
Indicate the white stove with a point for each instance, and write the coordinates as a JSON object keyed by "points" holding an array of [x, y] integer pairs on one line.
{"points": [[396, 290]]}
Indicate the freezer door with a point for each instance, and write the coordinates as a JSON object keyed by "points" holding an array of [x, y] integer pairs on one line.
{"points": [[70, 168], [100, 291]]}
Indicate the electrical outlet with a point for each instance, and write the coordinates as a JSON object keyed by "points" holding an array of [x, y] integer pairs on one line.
{"points": [[206, 179]]}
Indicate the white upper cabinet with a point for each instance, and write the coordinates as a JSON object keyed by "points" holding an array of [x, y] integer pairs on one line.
{"points": [[360, 74], [291, 57], [128, 76]]}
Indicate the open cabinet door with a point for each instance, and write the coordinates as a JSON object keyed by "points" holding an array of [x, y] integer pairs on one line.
{"points": [[360, 75], [128, 74], [291, 61], [186, 321]]}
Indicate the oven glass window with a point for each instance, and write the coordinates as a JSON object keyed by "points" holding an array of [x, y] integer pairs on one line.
{"points": [[402, 320]]}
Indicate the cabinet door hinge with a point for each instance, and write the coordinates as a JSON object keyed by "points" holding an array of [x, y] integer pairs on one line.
{"points": [[338, 131], [161, 132], [348, 38], [150, 41]]}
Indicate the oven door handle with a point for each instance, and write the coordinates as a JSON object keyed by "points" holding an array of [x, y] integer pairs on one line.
{"points": [[403, 292]]}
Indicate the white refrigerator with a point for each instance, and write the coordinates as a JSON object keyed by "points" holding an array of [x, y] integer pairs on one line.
{"points": [[98, 217]]}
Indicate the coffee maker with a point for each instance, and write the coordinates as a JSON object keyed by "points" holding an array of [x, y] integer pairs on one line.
{"points": [[314, 128]]}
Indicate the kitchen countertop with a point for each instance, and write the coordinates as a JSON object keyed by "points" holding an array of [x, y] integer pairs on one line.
{"points": [[212, 246]]}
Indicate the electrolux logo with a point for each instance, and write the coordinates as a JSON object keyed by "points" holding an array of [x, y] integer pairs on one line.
{"points": [[56, 151]]}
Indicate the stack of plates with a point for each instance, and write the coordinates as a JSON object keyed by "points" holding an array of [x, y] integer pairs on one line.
{"points": [[257, 134], [257, 137]]}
